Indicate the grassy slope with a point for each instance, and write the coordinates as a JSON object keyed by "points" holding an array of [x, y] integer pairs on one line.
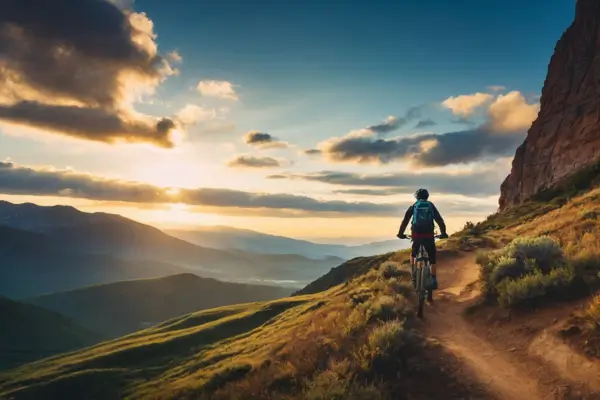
{"points": [[28, 333], [120, 308], [346, 340]]}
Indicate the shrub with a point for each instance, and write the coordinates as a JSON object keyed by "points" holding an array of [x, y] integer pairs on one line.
{"points": [[532, 286], [331, 386], [386, 307], [391, 270], [401, 287], [388, 338], [468, 226], [527, 268]]}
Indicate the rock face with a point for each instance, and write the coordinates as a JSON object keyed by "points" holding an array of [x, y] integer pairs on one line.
{"points": [[566, 135]]}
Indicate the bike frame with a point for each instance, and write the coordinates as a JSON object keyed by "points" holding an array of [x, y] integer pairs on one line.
{"points": [[421, 270]]}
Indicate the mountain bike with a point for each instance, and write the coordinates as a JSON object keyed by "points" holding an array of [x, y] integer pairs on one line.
{"points": [[421, 277]]}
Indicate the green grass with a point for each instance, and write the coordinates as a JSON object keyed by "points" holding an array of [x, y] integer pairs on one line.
{"points": [[290, 347], [28, 333], [138, 304]]}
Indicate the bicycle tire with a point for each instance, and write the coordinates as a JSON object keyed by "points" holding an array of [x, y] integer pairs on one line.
{"points": [[421, 304], [421, 289]]}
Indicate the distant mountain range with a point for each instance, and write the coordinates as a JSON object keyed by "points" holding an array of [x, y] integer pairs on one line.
{"points": [[29, 333], [49, 249], [33, 264], [116, 309], [222, 237]]}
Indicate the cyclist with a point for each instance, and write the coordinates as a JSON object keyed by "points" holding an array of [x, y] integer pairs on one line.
{"points": [[423, 214]]}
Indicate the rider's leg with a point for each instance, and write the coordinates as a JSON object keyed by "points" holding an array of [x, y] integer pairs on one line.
{"points": [[413, 255], [431, 251]]}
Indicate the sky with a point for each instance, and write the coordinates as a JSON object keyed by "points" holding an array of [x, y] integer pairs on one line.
{"points": [[309, 119]]}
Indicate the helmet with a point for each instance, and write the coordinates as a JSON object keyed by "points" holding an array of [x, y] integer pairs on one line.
{"points": [[422, 194]]}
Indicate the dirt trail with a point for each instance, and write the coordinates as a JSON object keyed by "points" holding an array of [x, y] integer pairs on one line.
{"points": [[507, 373]]}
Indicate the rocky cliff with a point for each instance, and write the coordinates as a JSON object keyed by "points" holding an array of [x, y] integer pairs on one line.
{"points": [[566, 135]]}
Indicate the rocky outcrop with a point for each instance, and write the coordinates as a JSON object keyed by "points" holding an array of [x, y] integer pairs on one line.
{"points": [[566, 135]]}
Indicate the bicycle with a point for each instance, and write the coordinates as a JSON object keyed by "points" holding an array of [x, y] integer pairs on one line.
{"points": [[421, 276]]}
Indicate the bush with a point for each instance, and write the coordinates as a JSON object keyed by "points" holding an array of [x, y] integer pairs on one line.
{"points": [[330, 386], [389, 346], [390, 270], [528, 268], [512, 292], [468, 226], [386, 307], [389, 339]]}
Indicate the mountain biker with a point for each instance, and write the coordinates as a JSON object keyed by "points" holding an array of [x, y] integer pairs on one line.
{"points": [[423, 213]]}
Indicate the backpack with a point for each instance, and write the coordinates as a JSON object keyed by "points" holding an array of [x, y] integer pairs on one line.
{"points": [[422, 221]]}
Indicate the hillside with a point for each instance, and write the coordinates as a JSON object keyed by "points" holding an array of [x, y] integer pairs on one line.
{"points": [[221, 237], [119, 237], [342, 343], [31, 264], [29, 333], [120, 308]]}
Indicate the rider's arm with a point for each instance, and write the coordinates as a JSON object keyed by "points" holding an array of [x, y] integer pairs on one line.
{"points": [[407, 217], [438, 218]]}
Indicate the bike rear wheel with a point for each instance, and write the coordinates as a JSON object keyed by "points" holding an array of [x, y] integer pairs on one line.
{"points": [[420, 289], [421, 304]]}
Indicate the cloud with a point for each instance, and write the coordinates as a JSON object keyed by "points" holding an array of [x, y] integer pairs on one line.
{"points": [[425, 123], [92, 71], [497, 88], [254, 162], [389, 124], [312, 152], [485, 182], [425, 150], [191, 114], [507, 119], [94, 124], [67, 183], [465, 105], [239, 199], [219, 89], [175, 57], [21, 180], [264, 140], [511, 113]]}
